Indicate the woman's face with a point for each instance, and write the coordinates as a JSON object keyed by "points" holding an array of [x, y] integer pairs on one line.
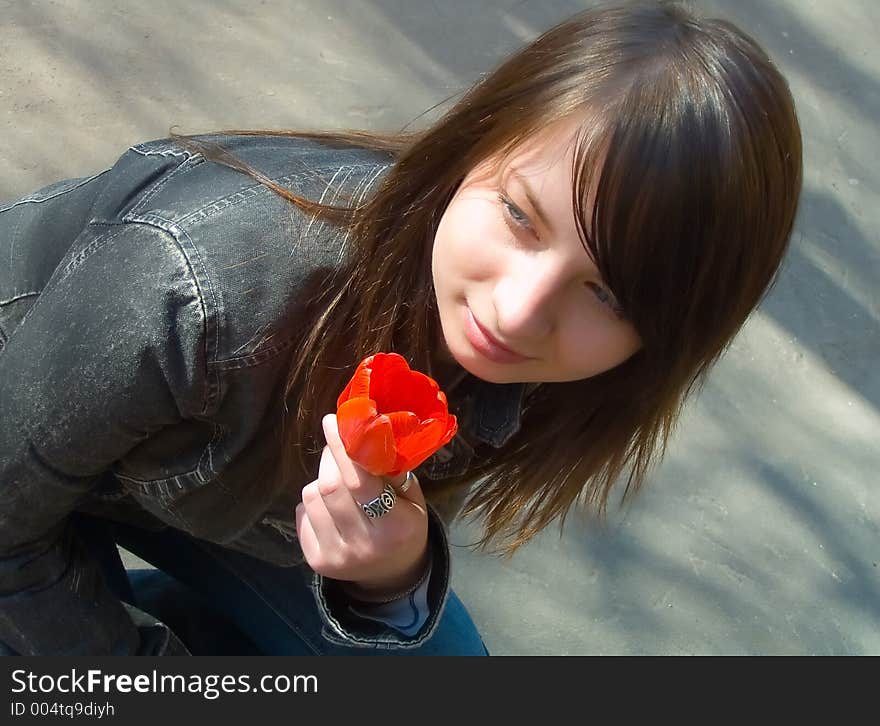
{"points": [[521, 276]]}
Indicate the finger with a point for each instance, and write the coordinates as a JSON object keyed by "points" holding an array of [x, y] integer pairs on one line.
{"points": [[326, 534], [362, 485], [348, 517], [322, 559], [308, 542]]}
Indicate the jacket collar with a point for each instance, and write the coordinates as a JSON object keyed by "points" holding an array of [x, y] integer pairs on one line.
{"points": [[487, 412]]}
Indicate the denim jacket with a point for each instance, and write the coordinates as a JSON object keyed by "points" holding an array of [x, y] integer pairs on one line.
{"points": [[142, 361]]}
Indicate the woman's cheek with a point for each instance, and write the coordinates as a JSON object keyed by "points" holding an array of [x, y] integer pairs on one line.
{"points": [[477, 239]]}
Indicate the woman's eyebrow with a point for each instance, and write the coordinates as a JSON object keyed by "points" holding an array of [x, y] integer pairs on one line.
{"points": [[533, 200]]}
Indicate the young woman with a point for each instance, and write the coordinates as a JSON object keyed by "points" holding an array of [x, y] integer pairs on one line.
{"points": [[567, 251]]}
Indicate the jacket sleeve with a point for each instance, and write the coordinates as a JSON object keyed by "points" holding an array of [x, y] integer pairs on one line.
{"points": [[343, 625], [111, 351]]}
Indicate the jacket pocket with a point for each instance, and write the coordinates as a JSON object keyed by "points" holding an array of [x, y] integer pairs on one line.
{"points": [[166, 490], [171, 463]]}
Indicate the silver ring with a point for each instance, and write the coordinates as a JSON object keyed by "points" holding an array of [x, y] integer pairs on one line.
{"points": [[407, 482], [381, 505]]}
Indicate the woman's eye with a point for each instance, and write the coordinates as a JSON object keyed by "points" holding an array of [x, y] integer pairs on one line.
{"points": [[513, 213], [607, 299]]}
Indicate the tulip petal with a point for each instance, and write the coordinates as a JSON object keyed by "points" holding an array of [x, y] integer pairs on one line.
{"points": [[376, 449], [431, 436], [352, 418], [403, 423], [392, 418], [367, 436], [359, 385], [395, 387]]}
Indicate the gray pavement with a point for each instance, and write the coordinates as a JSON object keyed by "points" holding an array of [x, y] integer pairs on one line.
{"points": [[760, 533]]}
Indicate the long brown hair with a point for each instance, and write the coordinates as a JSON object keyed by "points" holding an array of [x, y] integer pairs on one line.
{"points": [[693, 155]]}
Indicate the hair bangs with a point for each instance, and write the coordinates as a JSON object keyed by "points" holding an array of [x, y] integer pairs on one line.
{"points": [[648, 186]]}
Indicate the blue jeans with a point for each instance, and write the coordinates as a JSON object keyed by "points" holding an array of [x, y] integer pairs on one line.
{"points": [[223, 602]]}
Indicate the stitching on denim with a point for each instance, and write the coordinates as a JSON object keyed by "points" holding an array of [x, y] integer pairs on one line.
{"points": [[211, 326], [431, 623], [219, 431], [34, 199], [266, 353], [208, 453], [353, 639], [156, 188], [143, 150], [160, 489], [77, 260], [212, 387], [258, 189], [253, 359], [86, 252], [329, 635], [13, 237], [21, 295], [286, 531], [240, 195]]}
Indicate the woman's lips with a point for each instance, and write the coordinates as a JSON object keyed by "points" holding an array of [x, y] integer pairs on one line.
{"points": [[486, 345]]}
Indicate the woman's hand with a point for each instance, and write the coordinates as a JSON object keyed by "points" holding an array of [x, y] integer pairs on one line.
{"points": [[341, 542]]}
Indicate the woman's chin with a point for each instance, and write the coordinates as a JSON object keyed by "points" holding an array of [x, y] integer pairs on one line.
{"points": [[480, 368]]}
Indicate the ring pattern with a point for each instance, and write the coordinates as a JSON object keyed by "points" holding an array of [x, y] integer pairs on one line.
{"points": [[381, 505]]}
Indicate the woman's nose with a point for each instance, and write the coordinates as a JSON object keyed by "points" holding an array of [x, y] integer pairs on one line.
{"points": [[527, 302]]}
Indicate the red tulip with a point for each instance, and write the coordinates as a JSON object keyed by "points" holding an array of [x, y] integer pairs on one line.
{"points": [[392, 418]]}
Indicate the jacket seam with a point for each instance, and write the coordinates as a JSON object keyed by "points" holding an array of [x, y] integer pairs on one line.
{"points": [[211, 324], [33, 199], [19, 296], [161, 487], [183, 167], [254, 359], [91, 248], [267, 352], [348, 638], [171, 230], [257, 188], [87, 251], [139, 149], [335, 631]]}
